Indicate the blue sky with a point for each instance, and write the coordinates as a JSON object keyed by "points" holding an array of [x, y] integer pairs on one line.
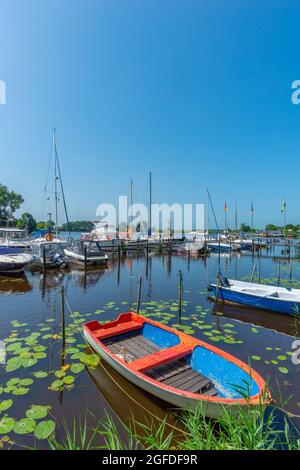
{"points": [[197, 92]]}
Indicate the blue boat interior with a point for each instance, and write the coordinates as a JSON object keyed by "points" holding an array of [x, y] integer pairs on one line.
{"points": [[202, 371]]}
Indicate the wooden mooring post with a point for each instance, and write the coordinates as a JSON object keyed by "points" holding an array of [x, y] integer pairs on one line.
{"points": [[278, 273], [138, 302], [44, 261], [179, 293], [63, 325]]}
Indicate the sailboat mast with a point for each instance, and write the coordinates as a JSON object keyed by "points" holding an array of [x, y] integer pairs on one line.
{"points": [[236, 217], [55, 181], [150, 205]]}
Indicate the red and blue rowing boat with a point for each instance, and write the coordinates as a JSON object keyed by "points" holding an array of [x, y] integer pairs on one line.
{"points": [[174, 366]]}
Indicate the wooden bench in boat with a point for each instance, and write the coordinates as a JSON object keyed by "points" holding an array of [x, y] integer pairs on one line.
{"points": [[118, 329], [161, 357]]}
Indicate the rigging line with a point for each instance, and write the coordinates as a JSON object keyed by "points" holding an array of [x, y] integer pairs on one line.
{"points": [[120, 386], [212, 208], [62, 190]]}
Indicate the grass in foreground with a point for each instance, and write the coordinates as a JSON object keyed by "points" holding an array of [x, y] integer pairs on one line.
{"points": [[250, 430]]}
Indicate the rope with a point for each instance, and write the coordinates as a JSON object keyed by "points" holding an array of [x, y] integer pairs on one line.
{"points": [[120, 386]]}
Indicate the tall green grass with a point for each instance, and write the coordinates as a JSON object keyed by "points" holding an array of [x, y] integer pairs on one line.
{"points": [[248, 430]]}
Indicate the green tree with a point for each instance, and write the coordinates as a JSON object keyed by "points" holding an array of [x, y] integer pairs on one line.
{"points": [[245, 228], [41, 224], [26, 221], [272, 227], [9, 203]]}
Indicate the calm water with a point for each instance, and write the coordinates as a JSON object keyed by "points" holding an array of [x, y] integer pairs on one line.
{"points": [[30, 318]]}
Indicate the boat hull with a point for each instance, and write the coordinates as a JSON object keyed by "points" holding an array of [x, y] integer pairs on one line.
{"points": [[263, 303], [211, 409]]}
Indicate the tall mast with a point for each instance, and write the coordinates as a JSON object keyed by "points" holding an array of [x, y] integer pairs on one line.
{"points": [[55, 180], [130, 212], [236, 217], [150, 205]]}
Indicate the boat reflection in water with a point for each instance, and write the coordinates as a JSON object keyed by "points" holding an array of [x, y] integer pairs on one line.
{"points": [[15, 285], [271, 320], [126, 400]]}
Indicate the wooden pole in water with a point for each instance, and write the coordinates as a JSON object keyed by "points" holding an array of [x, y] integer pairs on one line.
{"points": [[291, 270], [44, 261], [139, 295], [217, 292], [63, 316], [85, 257], [179, 293], [258, 266], [278, 274]]}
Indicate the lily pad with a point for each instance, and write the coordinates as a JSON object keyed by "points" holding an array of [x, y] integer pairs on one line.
{"points": [[6, 424], [40, 374], [5, 404], [44, 429], [37, 412], [76, 368], [24, 426], [283, 370]]}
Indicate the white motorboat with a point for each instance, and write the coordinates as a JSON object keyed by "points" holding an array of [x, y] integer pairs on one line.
{"points": [[13, 260], [86, 253]]}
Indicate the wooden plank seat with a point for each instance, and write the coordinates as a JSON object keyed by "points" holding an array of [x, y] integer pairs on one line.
{"points": [[161, 357], [118, 329]]}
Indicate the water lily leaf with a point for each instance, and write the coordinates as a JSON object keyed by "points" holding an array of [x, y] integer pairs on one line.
{"points": [[256, 358], [6, 424], [44, 429], [68, 380], [29, 362], [13, 363], [76, 368], [13, 346], [12, 382], [40, 374], [37, 412], [26, 382], [283, 370], [90, 360], [57, 385], [59, 374], [282, 358], [39, 355], [24, 426], [20, 391], [5, 404]]}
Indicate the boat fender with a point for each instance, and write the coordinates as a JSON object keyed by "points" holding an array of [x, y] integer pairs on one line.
{"points": [[49, 237]]}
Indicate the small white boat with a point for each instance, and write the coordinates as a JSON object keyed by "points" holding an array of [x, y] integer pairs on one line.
{"points": [[14, 237], [261, 296], [13, 260], [86, 252], [51, 253]]}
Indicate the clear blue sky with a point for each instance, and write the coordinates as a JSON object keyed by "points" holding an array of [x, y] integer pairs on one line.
{"points": [[198, 92]]}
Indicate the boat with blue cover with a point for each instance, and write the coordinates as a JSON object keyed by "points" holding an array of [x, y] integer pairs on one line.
{"points": [[176, 367], [275, 298]]}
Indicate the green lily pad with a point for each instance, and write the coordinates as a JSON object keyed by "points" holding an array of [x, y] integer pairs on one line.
{"points": [[37, 412], [283, 370], [24, 426], [68, 380], [76, 368], [40, 374], [6, 424], [256, 358], [5, 404], [59, 374], [20, 391], [13, 363], [44, 429], [29, 362], [26, 382], [57, 385]]}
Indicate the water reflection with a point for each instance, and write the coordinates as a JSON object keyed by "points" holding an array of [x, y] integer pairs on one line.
{"points": [[15, 285]]}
